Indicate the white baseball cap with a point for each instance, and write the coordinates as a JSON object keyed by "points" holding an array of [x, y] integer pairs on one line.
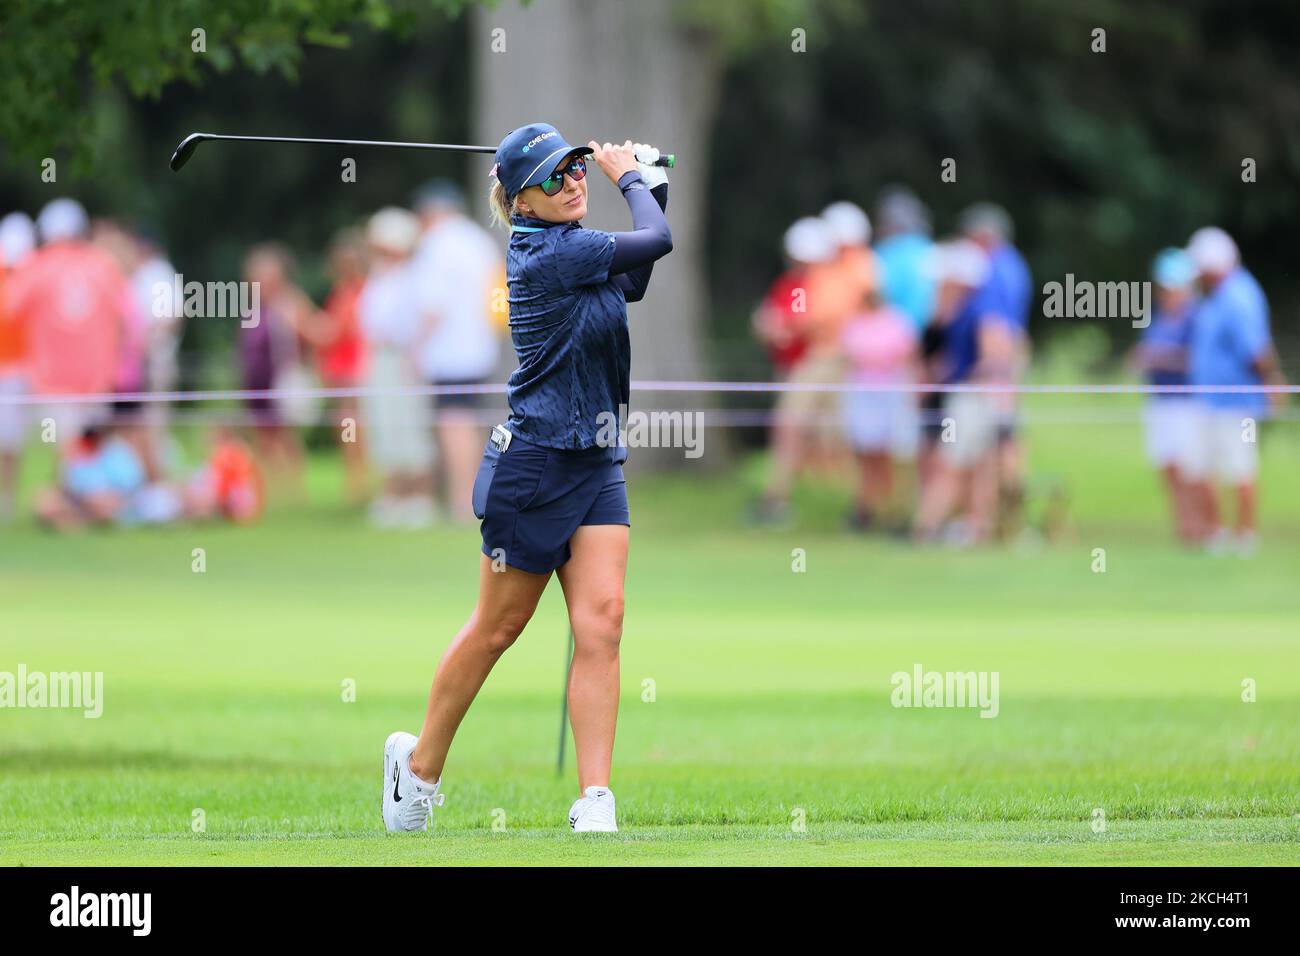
{"points": [[17, 237], [960, 261], [62, 219], [393, 230], [1212, 250], [809, 240], [848, 223]]}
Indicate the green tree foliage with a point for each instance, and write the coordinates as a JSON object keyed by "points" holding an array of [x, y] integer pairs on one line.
{"points": [[55, 54], [384, 84]]}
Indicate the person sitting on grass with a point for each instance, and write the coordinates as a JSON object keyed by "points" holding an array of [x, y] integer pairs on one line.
{"points": [[103, 482]]}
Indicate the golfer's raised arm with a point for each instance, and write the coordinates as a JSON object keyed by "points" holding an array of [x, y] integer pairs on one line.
{"points": [[650, 238]]}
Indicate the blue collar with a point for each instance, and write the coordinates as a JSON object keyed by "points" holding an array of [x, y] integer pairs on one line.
{"points": [[529, 224]]}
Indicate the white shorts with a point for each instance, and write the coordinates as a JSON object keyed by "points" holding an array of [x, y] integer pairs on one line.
{"points": [[1170, 429], [882, 422], [973, 427], [14, 418], [1219, 446], [63, 423], [396, 427]]}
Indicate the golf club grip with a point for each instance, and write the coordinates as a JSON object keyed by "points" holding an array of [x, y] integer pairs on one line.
{"points": [[667, 160]]}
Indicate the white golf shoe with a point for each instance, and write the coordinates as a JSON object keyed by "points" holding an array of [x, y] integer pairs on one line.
{"points": [[593, 812], [408, 800]]}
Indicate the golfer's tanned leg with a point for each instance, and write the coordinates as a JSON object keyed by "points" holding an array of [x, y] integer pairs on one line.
{"points": [[506, 601], [593, 590]]}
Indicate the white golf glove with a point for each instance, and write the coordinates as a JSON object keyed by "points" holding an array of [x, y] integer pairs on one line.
{"points": [[645, 156]]}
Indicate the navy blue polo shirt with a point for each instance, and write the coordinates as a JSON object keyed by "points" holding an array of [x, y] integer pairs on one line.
{"points": [[1166, 341], [568, 323]]}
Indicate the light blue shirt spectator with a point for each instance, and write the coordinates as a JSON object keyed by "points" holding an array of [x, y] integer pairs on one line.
{"points": [[906, 283], [1229, 335], [114, 468]]}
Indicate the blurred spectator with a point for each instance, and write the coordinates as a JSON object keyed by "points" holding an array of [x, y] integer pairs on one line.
{"points": [[457, 267], [1006, 296], [780, 323], [131, 372], [269, 359], [73, 302], [340, 350], [881, 346], [1161, 356], [1230, 345], [903, 248], [964, 469], [151, 273], [230, 484], [17, 240], [837, 290], [398, 439], [128, 412], [103, 481], [777, 322], [837, 293]]}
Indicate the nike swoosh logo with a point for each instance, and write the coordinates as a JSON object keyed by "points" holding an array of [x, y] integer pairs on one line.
{"points": [[397, 776]]}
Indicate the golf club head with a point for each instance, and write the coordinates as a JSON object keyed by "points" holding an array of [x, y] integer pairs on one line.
{"points": [[186, 149]]}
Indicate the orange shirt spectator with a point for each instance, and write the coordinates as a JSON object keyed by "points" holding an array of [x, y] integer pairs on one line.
{"points": [[71, 298], [837, 291], [13, 336], [17, 240]]}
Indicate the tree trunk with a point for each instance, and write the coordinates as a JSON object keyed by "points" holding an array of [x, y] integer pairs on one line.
{"points": [[613, 71]]}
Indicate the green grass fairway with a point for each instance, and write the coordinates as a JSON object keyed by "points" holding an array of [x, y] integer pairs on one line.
{"points": [[756, 723]]}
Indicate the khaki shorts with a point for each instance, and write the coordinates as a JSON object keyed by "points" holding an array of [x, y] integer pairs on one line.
{"points": [[820, 409], [971, 420]]}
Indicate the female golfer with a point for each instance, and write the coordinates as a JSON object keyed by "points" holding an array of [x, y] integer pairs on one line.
{"points": [[550, 490]]}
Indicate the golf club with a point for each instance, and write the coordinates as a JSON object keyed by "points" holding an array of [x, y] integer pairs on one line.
{"points": [[185, 149], [564, 707]]}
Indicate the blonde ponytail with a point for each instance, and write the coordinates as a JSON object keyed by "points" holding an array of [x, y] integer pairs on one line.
{"points": [[499, 205]]}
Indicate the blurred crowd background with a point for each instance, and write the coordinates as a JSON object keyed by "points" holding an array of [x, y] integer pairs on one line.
{"points": [[93, 311], [954, 314], [405, 344], [818, 243]]}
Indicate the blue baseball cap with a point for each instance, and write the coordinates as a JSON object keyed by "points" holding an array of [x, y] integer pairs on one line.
{"points": [[1173, 269], [530, 154]]}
